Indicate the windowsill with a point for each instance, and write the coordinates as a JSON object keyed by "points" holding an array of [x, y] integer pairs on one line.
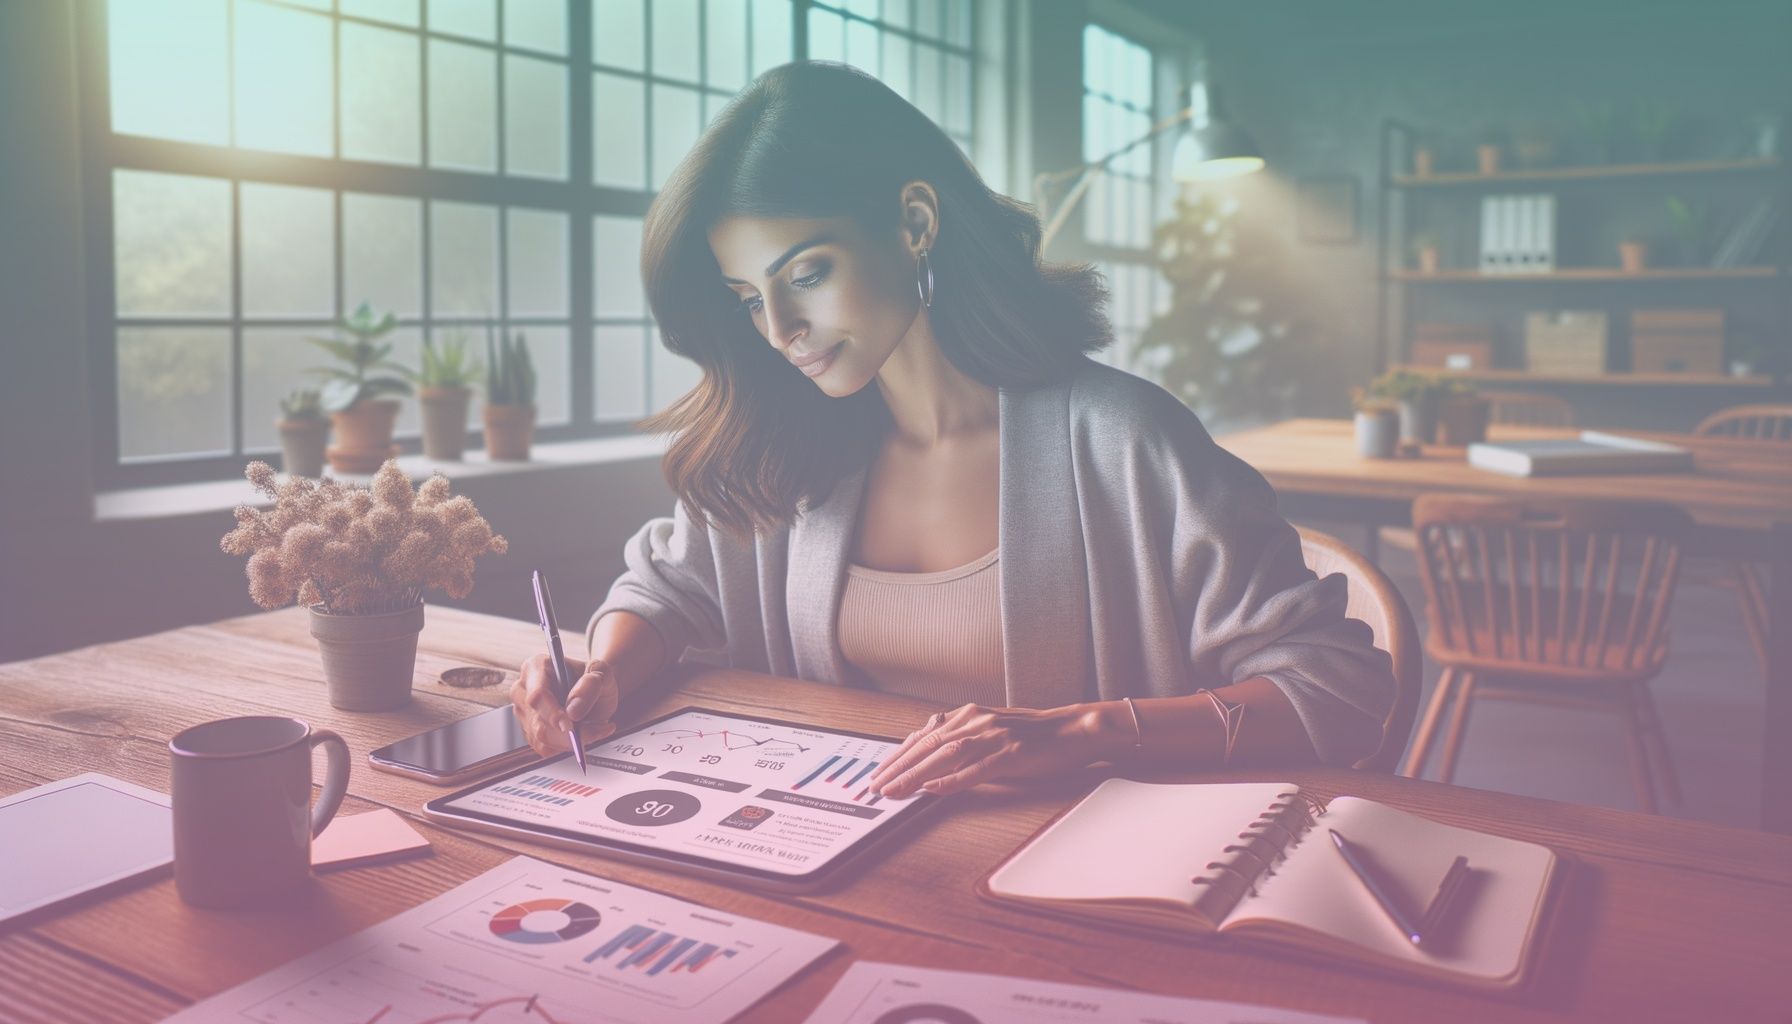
{"points": [[223, 495]]}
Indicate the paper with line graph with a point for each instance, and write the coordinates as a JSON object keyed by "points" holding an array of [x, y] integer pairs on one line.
{"points": [[761, 794], [530, 943]]}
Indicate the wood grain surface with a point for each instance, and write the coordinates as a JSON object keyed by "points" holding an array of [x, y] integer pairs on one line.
{"points": [[1661, 920]]}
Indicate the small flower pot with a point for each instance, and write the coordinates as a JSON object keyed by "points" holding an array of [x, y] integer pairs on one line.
{"points": [[509, 430], [1428, 261], [1418, 420], [1741, 368], [364, 435], [1633, 256], [1487, 158], [1462, 419], [1377, 433], [1424, 162], [368, 659], [302, 443], [444, 422]]}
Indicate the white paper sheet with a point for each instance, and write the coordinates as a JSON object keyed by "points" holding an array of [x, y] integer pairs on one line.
{"points": [[878, 993], [530, 943]]}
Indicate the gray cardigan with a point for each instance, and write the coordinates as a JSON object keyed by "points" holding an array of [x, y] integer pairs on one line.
{"points": [[1138, 559]]}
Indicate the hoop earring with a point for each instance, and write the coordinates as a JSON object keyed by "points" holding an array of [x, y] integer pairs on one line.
{"points": [[924, 279]]}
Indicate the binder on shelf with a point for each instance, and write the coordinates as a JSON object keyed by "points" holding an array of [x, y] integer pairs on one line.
{"points": [[1547, 225], [1489, 211]]}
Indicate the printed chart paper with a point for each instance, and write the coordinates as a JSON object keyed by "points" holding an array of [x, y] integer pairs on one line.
{"points": [[530, 943], [878, 993], [780, 798]]}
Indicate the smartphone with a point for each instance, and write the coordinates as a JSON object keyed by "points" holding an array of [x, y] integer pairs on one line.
{"points": [[488, 742]]}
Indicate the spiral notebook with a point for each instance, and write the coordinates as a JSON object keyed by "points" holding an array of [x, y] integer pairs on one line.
{"points": [[1240, 860]]}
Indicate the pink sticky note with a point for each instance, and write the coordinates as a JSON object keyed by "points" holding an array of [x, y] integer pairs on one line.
{"points": [[365, 839]]}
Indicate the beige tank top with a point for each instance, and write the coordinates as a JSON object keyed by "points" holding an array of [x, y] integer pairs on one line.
{"points": [[932, 635]]}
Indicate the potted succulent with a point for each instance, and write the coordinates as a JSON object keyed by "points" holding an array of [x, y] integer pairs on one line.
{"points": [[360, 560], [509, 398], [1494, 142], [1749, 355], [1633, 252], [1377, 426], [304, 433], [353, 393], [1424, 252], [1462, 415], [1416, 395], [444, 389]]}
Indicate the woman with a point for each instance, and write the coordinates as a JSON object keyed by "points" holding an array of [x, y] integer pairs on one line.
{"points": [[901, 471]]}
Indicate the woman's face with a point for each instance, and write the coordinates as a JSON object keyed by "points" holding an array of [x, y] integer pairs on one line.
{"points": [[829, 298]]}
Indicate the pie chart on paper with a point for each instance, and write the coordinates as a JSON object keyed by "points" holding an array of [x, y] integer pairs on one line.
{"points": [[544, 920]]}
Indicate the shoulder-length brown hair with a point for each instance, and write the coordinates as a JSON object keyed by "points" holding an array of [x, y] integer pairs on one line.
{"points": [[755, 440]]}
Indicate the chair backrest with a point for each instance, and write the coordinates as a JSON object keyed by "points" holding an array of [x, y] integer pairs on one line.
{"points": [[1750, 423], [1528, 409], [1375, 600], [1552, 583]]}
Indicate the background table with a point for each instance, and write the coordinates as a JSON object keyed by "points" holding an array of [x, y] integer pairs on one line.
{"points": [[1740, 498], [1662, 919]]}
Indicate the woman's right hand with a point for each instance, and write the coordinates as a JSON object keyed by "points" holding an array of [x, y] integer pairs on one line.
{"points": [[545, 722]]}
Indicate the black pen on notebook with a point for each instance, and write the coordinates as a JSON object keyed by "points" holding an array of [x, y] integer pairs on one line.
{"points": [[544, 607], [1386, 902]]}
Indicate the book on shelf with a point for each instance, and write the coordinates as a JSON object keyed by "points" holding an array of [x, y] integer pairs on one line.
{"points": [[1252, 862], [1594, 451]]}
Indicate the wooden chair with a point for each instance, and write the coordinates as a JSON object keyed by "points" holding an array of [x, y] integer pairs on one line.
{"points": [[1375, 600], [1558, 602], [1529, 409], [1770, 423], [1749, 423]]}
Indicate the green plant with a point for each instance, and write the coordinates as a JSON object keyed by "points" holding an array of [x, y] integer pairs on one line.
{"points": [[344, 386], [449, 366], [1403, 385], [302, 404], [1651, 124], [510, 374], [1598, 127], [1363, 400], [1687, 223]]}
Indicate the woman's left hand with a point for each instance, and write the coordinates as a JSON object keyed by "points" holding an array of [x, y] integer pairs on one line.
{"points": [[958, 749]]}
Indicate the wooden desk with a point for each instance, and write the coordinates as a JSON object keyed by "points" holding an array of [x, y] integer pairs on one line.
{"points": [[1740, 498], [1663, 919]]}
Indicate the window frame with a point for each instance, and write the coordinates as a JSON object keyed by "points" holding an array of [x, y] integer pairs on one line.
{"points": [[578, 197]]}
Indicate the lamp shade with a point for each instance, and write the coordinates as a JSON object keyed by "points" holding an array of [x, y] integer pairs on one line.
{"points": [[1216, 149]]}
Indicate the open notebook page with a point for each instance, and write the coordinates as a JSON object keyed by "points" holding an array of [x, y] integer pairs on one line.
{"points": [[1496, 908], [1140, 841]]}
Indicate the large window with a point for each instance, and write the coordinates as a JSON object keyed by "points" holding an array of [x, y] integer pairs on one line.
{"points": [[256, 169], [1120, 89]]}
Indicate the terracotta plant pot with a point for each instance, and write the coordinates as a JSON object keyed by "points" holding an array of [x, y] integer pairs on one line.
{"points": [[444, 422], [302, 443], [1462, 419], [1428, 261], [1424, 162], [509, 430], [1487, 157], [1633, 256], [364, 435], [1377, 433], [368, 659]]}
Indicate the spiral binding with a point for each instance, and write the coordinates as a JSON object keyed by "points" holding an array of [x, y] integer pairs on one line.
{"points": [[1309, 810]]}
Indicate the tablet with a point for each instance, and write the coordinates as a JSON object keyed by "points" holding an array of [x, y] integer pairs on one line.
{"points": [[781, 805]]}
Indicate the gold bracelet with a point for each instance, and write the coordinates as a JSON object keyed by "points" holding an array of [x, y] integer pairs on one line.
{"points": [[1231, 720], [1138, 734]]}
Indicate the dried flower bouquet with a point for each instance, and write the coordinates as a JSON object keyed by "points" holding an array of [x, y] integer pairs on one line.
{"points": [[355, 551]]}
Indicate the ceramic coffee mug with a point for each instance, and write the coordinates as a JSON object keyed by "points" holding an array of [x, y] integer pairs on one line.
{"points": [[242, 818]]}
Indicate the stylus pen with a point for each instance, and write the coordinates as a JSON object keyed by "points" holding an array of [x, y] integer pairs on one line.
{"points": [[544, 607], [1388, 905]]}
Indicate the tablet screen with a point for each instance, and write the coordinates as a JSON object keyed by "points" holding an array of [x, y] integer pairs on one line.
{"points": [[699, 785]]}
